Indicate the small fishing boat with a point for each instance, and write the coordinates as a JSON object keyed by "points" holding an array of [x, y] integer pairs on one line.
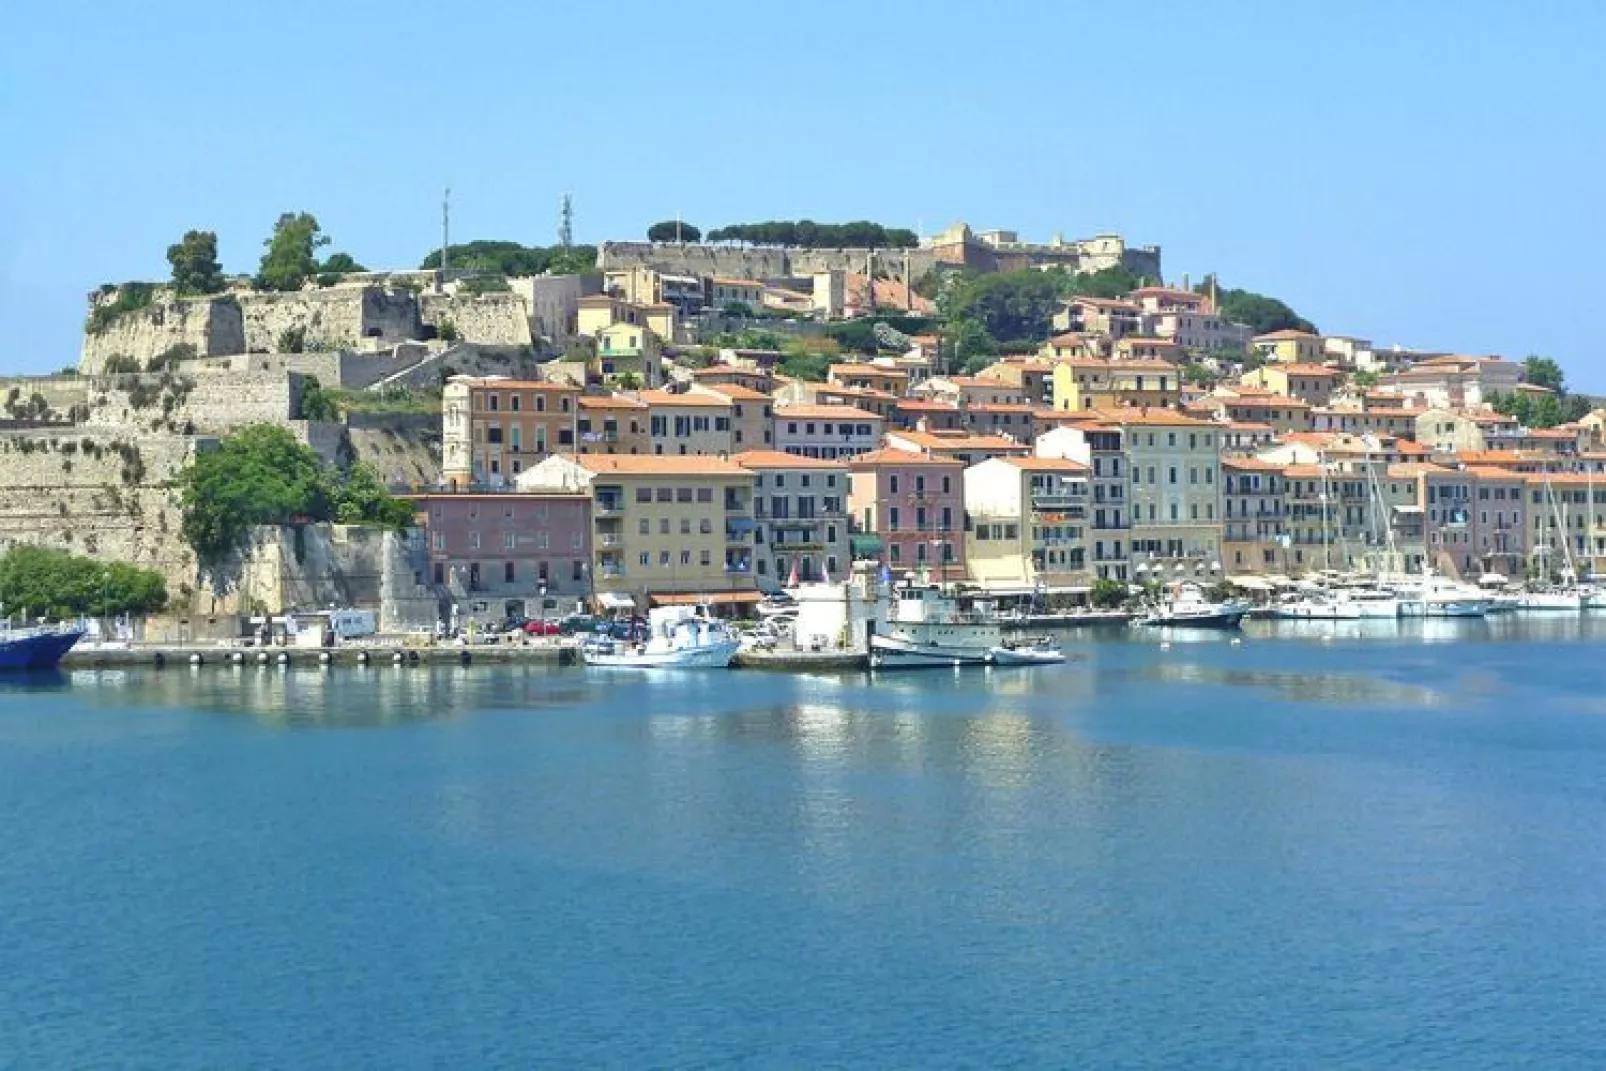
{"points": [[678, 637], [1185, 606], [1037, 652]]}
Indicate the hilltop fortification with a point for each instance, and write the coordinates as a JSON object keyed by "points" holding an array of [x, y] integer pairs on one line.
{"points": [[956, 247]]}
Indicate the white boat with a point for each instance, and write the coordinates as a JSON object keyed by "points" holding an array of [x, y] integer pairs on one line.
{"points": [[1432, 595], [1318, 606], [1185, 606], [1039, 652], [678, 637], [926, 628], [1553, 600], [776, 604], [1595, 599]]}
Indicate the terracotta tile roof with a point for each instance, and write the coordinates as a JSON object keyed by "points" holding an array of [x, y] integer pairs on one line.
{"points": [[735, 392], [663, 397], [778, 459], [823, 412], [956, 440], [1415, 468], [1251, 464], [657, 464], [1491, 472], [609, 401], [859, 368], [887, 456], [514, 384], [1257, 401], [1304, 472], [1047, 464], [1275, 336], [1155, 417]]}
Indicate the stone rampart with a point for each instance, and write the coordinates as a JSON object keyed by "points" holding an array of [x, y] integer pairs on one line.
{"points": [[497, 319], [760, 262], [211, 403], [211, 325]]}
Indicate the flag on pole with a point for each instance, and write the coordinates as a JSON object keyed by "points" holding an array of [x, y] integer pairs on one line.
{"points": [[792, 581]]}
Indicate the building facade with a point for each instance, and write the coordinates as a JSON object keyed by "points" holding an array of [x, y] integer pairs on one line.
{"points": [[908, 511], [493, 429], [508, 555], [800, 516]]}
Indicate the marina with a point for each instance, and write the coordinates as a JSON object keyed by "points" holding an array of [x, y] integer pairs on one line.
{"points": [[1402, 801]]}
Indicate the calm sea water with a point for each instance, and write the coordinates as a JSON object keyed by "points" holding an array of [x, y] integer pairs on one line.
{"points": [[1346, 846]]}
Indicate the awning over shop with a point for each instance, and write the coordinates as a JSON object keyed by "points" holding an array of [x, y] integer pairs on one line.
{"points": [[1251, 583], [864, 546], [707, 598], [613, 600]]}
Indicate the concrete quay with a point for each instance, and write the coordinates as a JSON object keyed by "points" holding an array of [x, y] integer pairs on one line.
{"points": [[161, 656]]}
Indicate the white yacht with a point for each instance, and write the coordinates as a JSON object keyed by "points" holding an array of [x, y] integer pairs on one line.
{"points": [[1552, 600], [925, 627], [1185, 606], [1320, 605], [1432, 595], [678, 637]]}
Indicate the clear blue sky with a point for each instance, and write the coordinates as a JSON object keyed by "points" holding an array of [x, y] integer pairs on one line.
{"points": [[1420, 173]]}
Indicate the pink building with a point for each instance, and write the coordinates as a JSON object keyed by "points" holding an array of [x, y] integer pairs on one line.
{"points": [[497, 555], [908, 511]]}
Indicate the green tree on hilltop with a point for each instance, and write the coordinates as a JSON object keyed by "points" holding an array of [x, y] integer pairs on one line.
{"points": [[195, 265], [673, 230], [1543, 372], [291, 257]]}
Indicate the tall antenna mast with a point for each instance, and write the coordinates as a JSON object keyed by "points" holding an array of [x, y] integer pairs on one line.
{"points": [[446, 231], [566, 222]]}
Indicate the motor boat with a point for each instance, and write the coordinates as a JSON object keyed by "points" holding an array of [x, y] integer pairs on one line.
{"points": [[1317, 606], [677, 637], [776, 603], [36, 648], [1036, 652], [1185, 606], [926, 628], [1431, 595], [1552, 600]]}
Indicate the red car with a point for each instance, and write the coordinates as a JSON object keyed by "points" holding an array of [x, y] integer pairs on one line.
{"points": [[541, 628]]}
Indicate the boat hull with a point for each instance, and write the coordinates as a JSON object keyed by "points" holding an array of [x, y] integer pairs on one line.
{"points": [[709, 656], [38, 650], [1222, 619], [892, 652], [1318, 613], [1027, 656]]}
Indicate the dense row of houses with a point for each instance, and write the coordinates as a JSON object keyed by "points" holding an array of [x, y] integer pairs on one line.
{"points": [[1093, 459]]}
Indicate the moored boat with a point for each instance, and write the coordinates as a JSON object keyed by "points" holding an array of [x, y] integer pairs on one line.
{"points": [[1185, 606], [678, 637], [36, 648], [1038, 652], [926, 628]]}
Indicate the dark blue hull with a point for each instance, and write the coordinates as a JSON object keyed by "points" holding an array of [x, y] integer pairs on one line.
{"points": [[39, 650]]}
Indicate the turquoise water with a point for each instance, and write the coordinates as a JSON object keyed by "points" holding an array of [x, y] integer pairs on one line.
{"points": [[1331, 848]]}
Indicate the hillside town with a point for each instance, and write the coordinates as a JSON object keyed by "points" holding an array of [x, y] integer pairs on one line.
{"points": [[685, 422]]}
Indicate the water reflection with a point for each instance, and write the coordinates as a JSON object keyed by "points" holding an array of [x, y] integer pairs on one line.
{"points": [[1304, 687]]}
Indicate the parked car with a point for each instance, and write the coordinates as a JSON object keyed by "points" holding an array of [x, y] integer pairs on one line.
{"points": [[542, 628]]}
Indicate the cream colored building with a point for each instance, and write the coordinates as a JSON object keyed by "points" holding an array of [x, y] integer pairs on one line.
{"points": [[690, 423], [666, 526], [1311, 383], [1084, 384], [1175, 466], [1026, 525], [800, 515]]}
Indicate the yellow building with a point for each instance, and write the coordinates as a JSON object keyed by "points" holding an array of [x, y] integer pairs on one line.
{"points": [[1175, 465], [1311, 383], [1083, 383], [664, 529], [1289, 347], [693, 422]]}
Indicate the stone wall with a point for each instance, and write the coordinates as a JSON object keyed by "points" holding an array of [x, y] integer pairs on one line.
{"points": [[322, 565], [404, 449], [493, 319], [96, 491], [765, 262], [336, 318], [62, 394], [204, 404], [211, 325]]}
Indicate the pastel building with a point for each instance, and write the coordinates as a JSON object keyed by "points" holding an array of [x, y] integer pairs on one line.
{"points": [[1026, 525], [828, 432], [800, 517], [493, 428], [908, 511], [1175, 464], [503, 555], [665, 529]]}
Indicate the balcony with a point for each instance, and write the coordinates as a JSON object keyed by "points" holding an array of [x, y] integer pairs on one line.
{"points": [[1057, 502], [607, 507], [610, 539], [610, 572]]}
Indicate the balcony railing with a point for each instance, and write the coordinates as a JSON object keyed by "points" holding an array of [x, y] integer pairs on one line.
{"points": [[608, 506], [610, 539]]}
